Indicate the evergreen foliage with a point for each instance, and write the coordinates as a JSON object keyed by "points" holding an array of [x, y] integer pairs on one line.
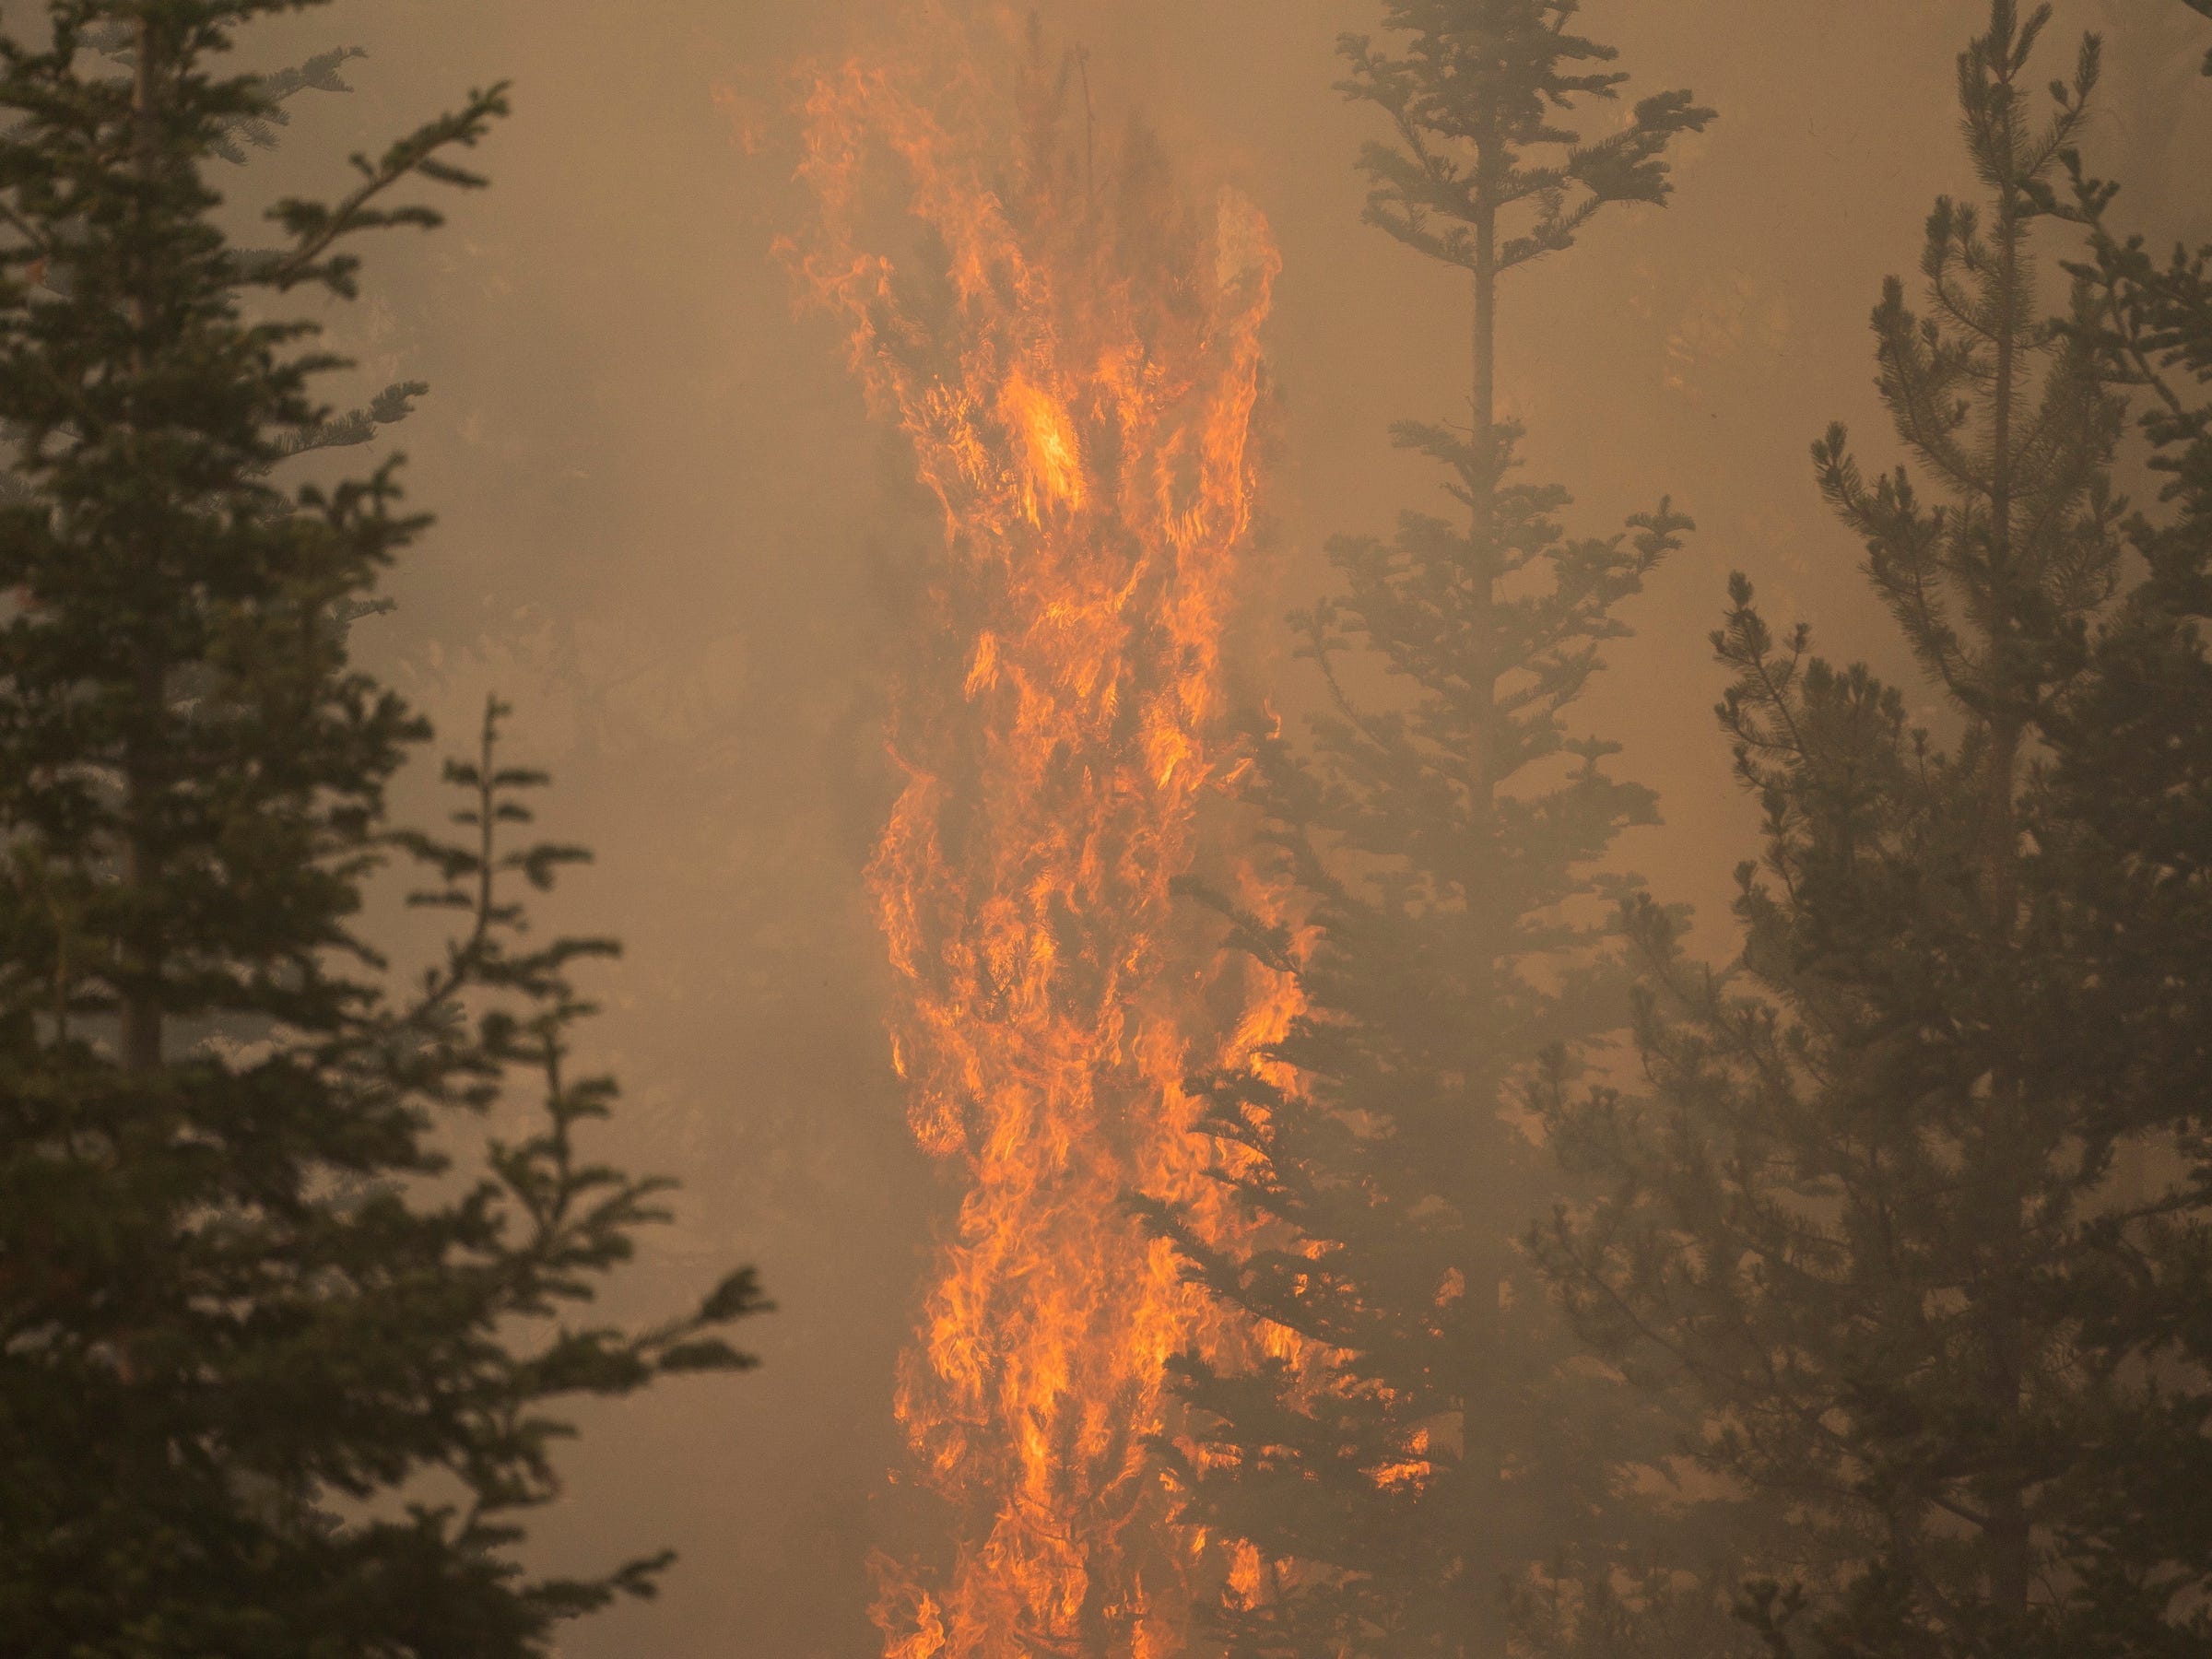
{"points": [[241, 135], [280, 1355], [1903, 1204], [2130, 745], [1431, 1472]]}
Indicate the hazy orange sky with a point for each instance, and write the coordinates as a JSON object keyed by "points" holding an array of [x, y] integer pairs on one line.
{"points": [[658, 495]]}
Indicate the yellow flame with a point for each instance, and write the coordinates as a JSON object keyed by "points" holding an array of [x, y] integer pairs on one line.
{"points": [[1081, 400]]}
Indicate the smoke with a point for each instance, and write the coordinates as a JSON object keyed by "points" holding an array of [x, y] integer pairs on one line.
{"points": [[670, 536]]}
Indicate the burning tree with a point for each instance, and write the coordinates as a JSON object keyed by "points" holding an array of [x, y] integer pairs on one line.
{"points": [[1072, 350]]}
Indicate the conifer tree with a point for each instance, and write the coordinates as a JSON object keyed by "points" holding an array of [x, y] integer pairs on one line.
{"points": [[1430, 1461], [2131, 779], [281, 1345], [2120, 827], [1881, 1209], [239, 137]]}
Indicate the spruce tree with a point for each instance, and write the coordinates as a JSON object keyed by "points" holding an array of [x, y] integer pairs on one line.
{"points": [[1430, 1462], [2128, 796], [240, 135], [1882, 1206], [2121, 832], [282, 1332]]}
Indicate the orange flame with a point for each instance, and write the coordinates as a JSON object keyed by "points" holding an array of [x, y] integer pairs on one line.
{"points": [[1077, 365]]}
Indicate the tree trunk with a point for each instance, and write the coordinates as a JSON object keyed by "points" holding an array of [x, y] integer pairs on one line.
{"points": [[139, 991], [2008, 1535], [1481, 1456]]}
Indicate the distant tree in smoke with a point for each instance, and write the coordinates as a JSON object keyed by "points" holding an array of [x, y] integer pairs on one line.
{"points": [[1429, 1469], [1916, 1201]]}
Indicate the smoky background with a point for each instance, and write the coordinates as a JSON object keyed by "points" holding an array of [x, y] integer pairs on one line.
{"points": [[670, 536]]}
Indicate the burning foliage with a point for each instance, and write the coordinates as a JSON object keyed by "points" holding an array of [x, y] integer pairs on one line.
{"points": [[1072, 350]]}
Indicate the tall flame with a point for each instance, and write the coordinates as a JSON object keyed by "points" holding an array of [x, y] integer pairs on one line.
{"points": [[1075, 358]]}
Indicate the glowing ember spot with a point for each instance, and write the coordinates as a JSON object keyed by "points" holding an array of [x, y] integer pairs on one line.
{"points": [[1247, 1573], [1071, 352], [1414, 1471]]}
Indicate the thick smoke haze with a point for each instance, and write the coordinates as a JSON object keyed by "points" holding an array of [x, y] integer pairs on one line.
{"points": [[664, 518]]}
